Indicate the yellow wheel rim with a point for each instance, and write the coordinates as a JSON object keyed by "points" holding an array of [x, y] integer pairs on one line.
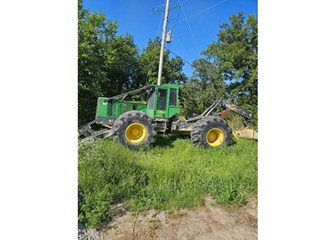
{"points": [[135, 133], [215, 137]]}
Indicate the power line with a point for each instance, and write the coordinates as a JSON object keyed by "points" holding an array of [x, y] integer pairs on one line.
{"points": [[202, 11], [178, 13], [189, 27], [176, 36], [160, 23], [180, 57], [184, 1]]}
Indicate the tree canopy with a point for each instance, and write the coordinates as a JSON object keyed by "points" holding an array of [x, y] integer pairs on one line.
{"points": [[106, 62], [235, 55], [149, 62], [229, 67], [203, 88]]}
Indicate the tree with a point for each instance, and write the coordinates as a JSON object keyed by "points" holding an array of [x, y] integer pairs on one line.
{"points": [[235, 57], [227, 70], [205, 86], [149, 62], [107, 63]]}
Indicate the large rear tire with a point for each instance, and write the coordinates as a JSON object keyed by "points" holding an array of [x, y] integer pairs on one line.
{"points": [[134, 129], [211, 131]]}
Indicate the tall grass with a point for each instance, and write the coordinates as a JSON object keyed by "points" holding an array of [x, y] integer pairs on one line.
{"points": [[173, 174]]}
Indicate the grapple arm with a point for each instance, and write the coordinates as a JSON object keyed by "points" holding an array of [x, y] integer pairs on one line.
{"points": [[236, 109], [247, 131]]}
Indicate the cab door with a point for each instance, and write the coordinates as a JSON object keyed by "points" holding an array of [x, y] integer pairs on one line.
{"points": [[161, 103]]}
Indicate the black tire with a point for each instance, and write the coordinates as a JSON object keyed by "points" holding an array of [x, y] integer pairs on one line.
{"points": [[211, 131], [122, 129]]}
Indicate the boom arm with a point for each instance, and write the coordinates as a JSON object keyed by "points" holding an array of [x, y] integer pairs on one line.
{"points": [[227, 106], [123, 95], [236, 109]]}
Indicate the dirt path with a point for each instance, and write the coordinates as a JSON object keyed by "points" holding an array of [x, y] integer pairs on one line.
{"points": [[209, 222]]}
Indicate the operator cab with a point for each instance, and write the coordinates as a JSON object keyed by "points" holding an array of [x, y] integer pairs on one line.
{"points": [[162, 101]]}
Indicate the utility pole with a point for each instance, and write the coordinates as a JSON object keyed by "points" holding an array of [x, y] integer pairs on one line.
{"points": [[160, 70]]}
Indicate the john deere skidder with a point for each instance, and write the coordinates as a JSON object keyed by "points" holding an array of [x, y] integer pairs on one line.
{"points": [[135, 117]]}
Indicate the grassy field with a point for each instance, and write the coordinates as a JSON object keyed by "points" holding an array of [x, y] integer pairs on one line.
{"points": [[172, 174]]}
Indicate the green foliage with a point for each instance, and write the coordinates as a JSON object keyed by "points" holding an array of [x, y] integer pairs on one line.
{"points": [[174, 174], [107, 63], [235, 121], [203, 88], [94, 33], [108, 173], [229, 69], [149, 63], [235, 55]]}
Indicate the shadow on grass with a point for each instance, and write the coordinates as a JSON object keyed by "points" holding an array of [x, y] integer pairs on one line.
{"points": [[166, 140]]}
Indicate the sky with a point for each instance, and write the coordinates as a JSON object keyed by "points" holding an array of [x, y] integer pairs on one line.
{"points": [[194, 23]]}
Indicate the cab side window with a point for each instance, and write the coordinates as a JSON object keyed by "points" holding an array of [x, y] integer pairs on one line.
{"points": [[162, 94], [151, 96], [173, 97]]}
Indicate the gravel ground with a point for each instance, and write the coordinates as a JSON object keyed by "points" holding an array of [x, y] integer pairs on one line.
{"points": [[88, 234]]}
